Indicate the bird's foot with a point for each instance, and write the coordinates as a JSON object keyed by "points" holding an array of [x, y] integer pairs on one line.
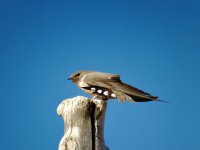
{"points": [[99, 106]]}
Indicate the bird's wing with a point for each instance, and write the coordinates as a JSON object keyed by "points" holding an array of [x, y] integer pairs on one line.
{"points": [[123, 91], [134, 93], [101, 77]]}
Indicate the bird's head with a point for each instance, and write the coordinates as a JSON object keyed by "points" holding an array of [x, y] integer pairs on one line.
{"points": [[75, 77]]}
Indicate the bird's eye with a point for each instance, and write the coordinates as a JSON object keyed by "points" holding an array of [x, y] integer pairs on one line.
{"points": [[78, 74]]}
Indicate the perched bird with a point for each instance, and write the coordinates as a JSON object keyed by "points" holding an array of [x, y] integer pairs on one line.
{"points": [[108, 86]]}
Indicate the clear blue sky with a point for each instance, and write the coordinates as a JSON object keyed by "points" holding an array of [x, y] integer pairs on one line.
{"points": [[154, 45]]}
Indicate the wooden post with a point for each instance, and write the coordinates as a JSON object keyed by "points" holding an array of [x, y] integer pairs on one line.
{"points": [[83, 124]]}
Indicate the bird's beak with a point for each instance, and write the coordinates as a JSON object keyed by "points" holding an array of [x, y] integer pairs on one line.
{"points": [[69, 78]]}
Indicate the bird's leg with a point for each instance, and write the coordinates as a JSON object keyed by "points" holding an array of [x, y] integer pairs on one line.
{"points": [[98, 103], [94, 98]]}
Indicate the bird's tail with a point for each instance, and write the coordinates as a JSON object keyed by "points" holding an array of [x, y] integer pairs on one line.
{"points": [[123, 97], [162, 101], [130, 98]]}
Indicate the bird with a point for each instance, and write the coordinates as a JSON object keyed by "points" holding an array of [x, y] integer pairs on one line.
{"points": [[107, 86]]}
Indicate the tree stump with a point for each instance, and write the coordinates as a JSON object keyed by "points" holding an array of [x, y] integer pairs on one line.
{"points": [[83, 124]]}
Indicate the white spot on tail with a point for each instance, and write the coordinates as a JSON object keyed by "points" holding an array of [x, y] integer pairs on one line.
{"points": [[99, 91], [113, 95], [93, 89], [105, 93]]}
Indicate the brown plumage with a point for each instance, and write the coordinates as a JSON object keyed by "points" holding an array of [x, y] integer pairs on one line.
{"points": [[108, 86]]}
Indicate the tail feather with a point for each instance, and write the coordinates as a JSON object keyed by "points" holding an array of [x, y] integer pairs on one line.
{"points": [[162, 101], [130, 98], [123, 97]]}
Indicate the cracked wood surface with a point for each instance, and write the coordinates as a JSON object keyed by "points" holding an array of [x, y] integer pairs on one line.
{"points": [[83, 124]]}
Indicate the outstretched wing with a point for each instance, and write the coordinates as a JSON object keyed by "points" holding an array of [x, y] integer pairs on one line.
{"points": [[123, 91]]}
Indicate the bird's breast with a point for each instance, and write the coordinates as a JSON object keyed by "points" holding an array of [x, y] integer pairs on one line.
{"points": [[82, 83]]}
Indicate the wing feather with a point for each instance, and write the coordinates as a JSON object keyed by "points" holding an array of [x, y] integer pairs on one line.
{"points": [[123, 91]]}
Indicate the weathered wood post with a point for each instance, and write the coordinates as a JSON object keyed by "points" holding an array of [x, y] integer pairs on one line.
{"points": [[83, 124]]}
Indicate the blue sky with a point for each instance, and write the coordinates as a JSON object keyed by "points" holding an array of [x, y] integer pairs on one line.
{"points": [[154, 45]]}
